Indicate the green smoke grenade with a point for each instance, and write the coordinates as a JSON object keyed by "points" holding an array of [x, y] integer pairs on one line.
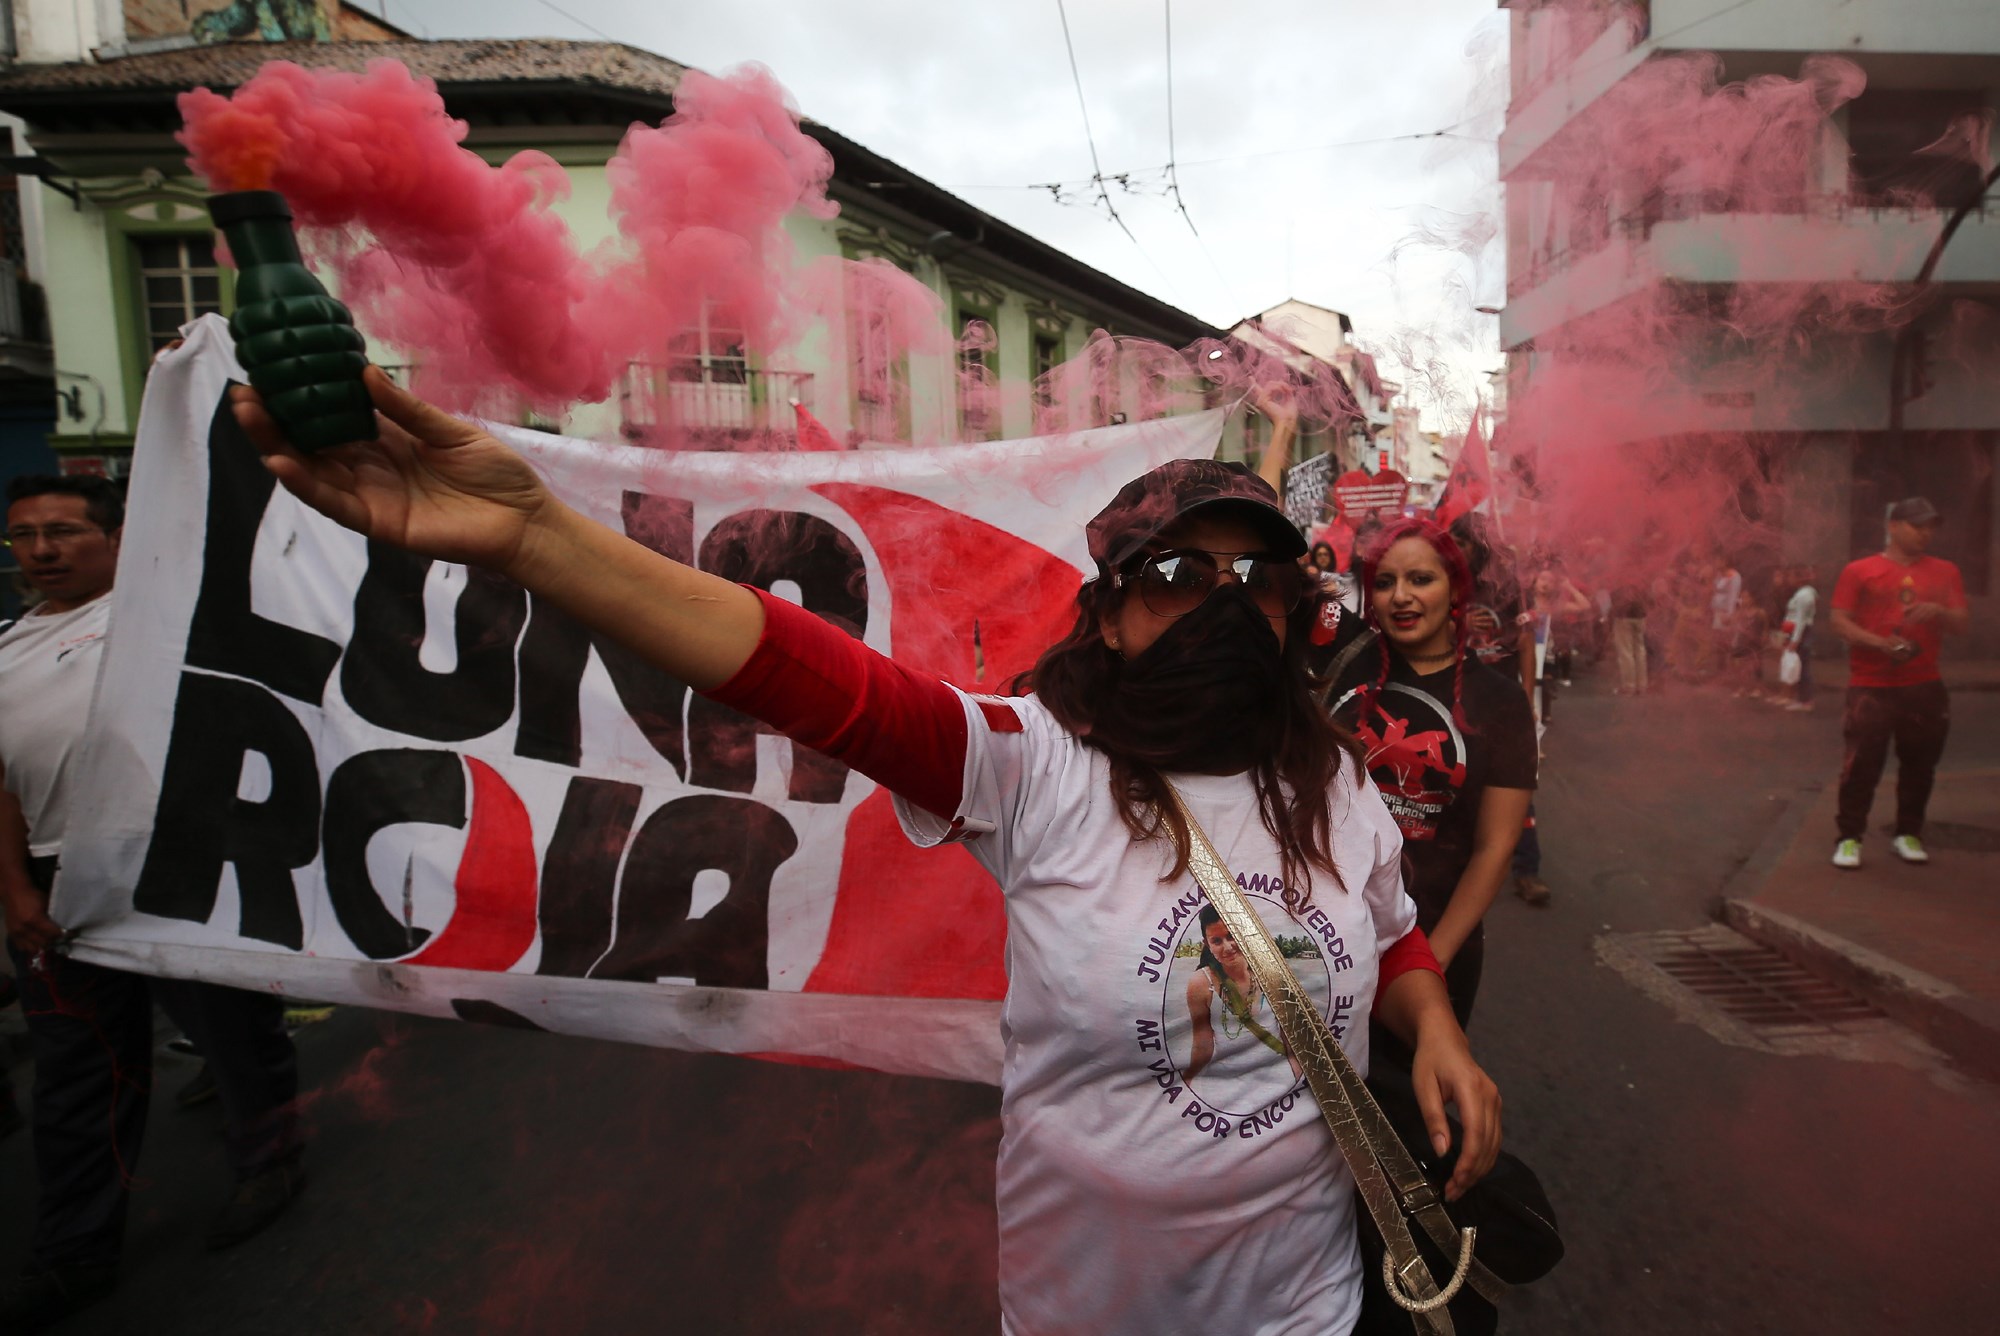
{"points": [[299, 345]]}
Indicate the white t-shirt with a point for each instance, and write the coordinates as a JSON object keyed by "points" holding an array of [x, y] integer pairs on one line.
{"points": [[1728, 589], [1799, 611], [1132, 1199], [48, 670]]}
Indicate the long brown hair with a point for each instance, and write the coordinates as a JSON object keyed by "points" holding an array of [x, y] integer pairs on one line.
{"points": [[1077, 674]]}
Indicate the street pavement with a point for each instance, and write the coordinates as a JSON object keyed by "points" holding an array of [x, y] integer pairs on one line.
{"points": [[470, 1180]]}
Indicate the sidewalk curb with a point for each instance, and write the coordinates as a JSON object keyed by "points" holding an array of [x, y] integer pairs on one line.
{"points": [[1964, 1026], [1794, 811]]}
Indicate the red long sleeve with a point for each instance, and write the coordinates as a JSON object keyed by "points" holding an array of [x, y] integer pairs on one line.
{"points": [[1412, 951], [826, 690]]}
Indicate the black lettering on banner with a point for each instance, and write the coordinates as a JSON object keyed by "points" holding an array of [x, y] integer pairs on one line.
{"points": [[557, 649], [554, 653], [224, 634], [202, 823], [580, 873], [371, 791], [663, 523], [727, 946], [381, 676], [762, 547]]}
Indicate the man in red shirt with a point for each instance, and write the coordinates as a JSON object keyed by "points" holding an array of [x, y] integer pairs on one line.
{"points": [[1893, 611]]}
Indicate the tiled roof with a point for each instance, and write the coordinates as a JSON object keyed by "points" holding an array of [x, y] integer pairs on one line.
{"points": [[223, 65]]}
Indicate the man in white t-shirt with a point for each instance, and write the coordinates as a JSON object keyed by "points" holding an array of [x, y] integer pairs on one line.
{"points": [[1796, 633], [91, 1027], [1722, 602]]}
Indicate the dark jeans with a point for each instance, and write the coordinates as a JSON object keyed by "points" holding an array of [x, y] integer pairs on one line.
{"points": [[90, 1030], [1917, 719], [91, 1033]]}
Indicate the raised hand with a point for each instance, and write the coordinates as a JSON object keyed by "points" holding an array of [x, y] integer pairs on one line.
{"points": [[433, 483]]}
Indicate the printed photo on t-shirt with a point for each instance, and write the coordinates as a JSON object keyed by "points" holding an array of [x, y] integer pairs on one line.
{"points": [[1223, 1036]]}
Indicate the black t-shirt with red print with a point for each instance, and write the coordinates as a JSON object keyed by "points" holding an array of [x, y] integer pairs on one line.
{"points": [[1431, 771]]}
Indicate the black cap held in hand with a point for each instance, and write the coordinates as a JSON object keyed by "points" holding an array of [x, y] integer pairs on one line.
{"points": [[1179, 487]]}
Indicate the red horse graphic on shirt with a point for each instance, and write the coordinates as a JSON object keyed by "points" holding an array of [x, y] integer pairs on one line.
{"points": [[1410, 757]]}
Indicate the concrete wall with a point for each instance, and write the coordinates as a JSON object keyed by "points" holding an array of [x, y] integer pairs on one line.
{"points": [[59, 30], [1828, 25]]}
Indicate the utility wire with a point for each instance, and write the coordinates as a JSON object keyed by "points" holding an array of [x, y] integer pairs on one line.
{"points": [[1096, 169], [581, 23], [1173, 179], [1126, 178]]}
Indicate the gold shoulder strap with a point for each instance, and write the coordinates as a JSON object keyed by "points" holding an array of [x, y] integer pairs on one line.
{"points": [[1388, 1178]]}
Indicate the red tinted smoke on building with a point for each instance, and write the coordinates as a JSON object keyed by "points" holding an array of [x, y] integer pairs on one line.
{"points": [[467, 267], [1705, 277]]}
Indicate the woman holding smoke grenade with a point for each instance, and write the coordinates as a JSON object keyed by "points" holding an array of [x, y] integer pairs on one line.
{"points": [[1126, 1204]]}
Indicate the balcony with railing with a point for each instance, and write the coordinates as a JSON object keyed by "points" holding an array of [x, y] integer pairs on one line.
{"points": [[711, 404], [1827, 239]]}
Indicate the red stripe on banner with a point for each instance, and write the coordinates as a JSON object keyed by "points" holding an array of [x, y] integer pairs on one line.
{"points": [[493, 923], [947, 571], [910, 922]]}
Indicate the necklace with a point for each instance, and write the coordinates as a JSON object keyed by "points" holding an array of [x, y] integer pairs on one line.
{"points": [[1235, 1003], [1432, 658]]}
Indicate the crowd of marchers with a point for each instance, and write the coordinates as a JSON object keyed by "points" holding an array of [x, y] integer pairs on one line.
{"points": [[1366, 717]]}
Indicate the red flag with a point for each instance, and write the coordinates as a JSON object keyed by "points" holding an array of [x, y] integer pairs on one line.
{"points": [[1470, 485], [813, 434]]}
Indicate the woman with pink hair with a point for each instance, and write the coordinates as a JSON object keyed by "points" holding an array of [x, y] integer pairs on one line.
{"points": [[1449, 741]]}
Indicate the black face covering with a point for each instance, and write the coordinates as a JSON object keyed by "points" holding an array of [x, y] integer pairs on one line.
{"points": [[1204, 697]]}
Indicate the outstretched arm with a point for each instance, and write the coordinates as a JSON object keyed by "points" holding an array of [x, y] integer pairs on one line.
{"points": [[444, 488]]}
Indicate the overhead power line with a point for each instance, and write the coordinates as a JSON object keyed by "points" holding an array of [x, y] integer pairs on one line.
{"points": [[581, 23], [1173, 176], [1137, 179], [1096, 168]]}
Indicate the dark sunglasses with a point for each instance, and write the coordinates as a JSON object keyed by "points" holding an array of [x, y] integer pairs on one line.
{"points": [[1175, 583]]}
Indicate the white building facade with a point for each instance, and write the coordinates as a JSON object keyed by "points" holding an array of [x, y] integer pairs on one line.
{"points": [[1862, 417]]}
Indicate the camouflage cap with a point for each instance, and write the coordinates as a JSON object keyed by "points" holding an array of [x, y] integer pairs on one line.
{"points": [[1180, 487]]}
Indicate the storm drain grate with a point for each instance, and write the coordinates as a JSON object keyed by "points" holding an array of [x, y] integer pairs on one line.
{"points": [[1748, 995], [1758, 986]]}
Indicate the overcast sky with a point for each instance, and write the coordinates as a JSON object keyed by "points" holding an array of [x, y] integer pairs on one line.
{"points": [[980, 98]]}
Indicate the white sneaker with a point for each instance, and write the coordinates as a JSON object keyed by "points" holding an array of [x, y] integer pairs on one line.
{"points": [[1847, 853], [1911, 849]]}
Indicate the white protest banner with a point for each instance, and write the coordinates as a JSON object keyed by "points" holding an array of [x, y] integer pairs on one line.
{"points": [[338, 771]]}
